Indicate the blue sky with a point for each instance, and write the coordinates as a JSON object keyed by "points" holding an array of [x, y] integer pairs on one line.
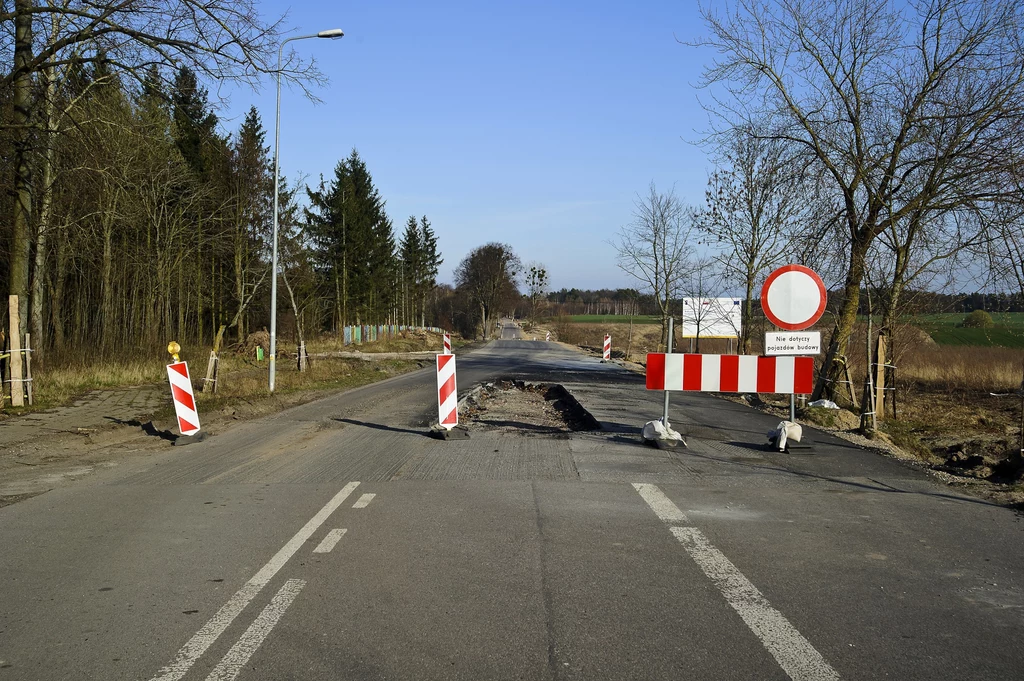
{"points": [[530, 123]]}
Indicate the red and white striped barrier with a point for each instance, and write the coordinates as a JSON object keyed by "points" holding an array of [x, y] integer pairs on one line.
{"points": [[730, 373], [447, 394], [547, 336], [447, 344], [184, 398], [607, 347]]}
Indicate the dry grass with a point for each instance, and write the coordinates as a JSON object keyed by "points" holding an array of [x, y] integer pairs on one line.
{"points": [[241, 377], [57, 385], [242, 381], [645, 338], [951, 368], [923, 365], [406, 341]]}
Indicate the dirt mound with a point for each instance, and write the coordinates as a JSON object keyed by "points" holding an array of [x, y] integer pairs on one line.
{"points": [[259, 339]]}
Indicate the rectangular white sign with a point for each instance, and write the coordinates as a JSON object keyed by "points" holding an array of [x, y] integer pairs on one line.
{"points": [[711, 317], [792, 343]]}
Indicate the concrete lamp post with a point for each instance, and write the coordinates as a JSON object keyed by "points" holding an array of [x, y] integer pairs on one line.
{"points": [[333, 33]]}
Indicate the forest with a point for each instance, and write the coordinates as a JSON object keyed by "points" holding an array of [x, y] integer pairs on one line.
{"points": [[151, 223]]}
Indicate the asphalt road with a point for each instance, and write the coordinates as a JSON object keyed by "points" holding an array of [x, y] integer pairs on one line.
{"points": [[336, 541], [507, 330]]}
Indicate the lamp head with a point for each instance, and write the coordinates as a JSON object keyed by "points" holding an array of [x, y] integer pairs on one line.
{"points": [[333, 33]]}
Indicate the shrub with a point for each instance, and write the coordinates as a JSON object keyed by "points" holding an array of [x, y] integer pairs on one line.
{"points": [[979, 319]]}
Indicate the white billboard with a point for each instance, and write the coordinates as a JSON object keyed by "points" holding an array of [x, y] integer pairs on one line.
{"points": [[712, 317]]}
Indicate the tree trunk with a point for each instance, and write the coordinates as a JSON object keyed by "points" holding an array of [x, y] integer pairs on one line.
{"points": [[45, 218], [57, 293], [847, 315], [892, 310], [106, 287], [868, 420], [748, 316], [239, 290], [21, 242], [300, 336], [200, 271]]}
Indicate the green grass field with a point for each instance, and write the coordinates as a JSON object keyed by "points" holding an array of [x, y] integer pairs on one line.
{"points": [[945, 330], [614, 319]]}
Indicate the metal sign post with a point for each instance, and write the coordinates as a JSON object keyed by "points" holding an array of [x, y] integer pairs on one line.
{"points": [[671, 332]]}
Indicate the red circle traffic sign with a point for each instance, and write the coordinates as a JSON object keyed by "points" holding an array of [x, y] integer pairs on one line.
{"points": [[793, 297]]}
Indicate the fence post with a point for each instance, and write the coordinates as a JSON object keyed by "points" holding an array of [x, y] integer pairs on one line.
{"points": [[28, 367], [880, 377], [17, 385]]}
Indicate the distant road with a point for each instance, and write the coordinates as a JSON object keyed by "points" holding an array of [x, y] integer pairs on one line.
{"points": [[509, 330], [335, 540]]}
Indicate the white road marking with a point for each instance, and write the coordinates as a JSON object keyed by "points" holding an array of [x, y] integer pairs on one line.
{"points": [[330, 541], [212, 630], [364, 501], [239, 655], [791, 650], [659, 503]]}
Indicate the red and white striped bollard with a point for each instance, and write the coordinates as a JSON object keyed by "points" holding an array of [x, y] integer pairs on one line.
{"points": [[447, 343], [184, 398], [607, 347], [447, 392]]}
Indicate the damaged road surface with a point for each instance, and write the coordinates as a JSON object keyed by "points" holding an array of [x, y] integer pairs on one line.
{"points": [[337, 540]]}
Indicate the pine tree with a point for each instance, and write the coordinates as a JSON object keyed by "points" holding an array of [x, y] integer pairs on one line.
{"points": [[251, 211], [194, 122], [355, 243], [412, 267], [430, 262]]}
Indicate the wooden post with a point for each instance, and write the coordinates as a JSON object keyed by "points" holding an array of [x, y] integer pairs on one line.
{"points": [[210, 382], [28, 367], [849, 383], [303, 357], [17, 386], [880, 377], [3, 366], [894, 391], [213, 365]]}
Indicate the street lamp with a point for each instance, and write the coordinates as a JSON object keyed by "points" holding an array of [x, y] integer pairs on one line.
{"points": [[333, 33]]}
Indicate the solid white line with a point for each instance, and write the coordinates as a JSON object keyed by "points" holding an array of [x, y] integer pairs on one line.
{"points": [[364, 501], [239, 655], [211, 631], [330, 541], [791, 650], [659, 503]]}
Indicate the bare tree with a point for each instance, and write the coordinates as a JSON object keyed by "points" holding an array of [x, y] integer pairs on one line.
{"points": [[536, 285], [488, 276], [224, 40], [700, 289], [657, 247], [901, 108], [751, 209]]}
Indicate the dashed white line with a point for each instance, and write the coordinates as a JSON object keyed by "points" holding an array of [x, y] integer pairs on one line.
{"points": [[659, 503], [330, 541], [364, 501], [236, 658], [791, 650], [211, 631]]}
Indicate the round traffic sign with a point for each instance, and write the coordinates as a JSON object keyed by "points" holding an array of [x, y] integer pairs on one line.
{"points": [[793, 297]]}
